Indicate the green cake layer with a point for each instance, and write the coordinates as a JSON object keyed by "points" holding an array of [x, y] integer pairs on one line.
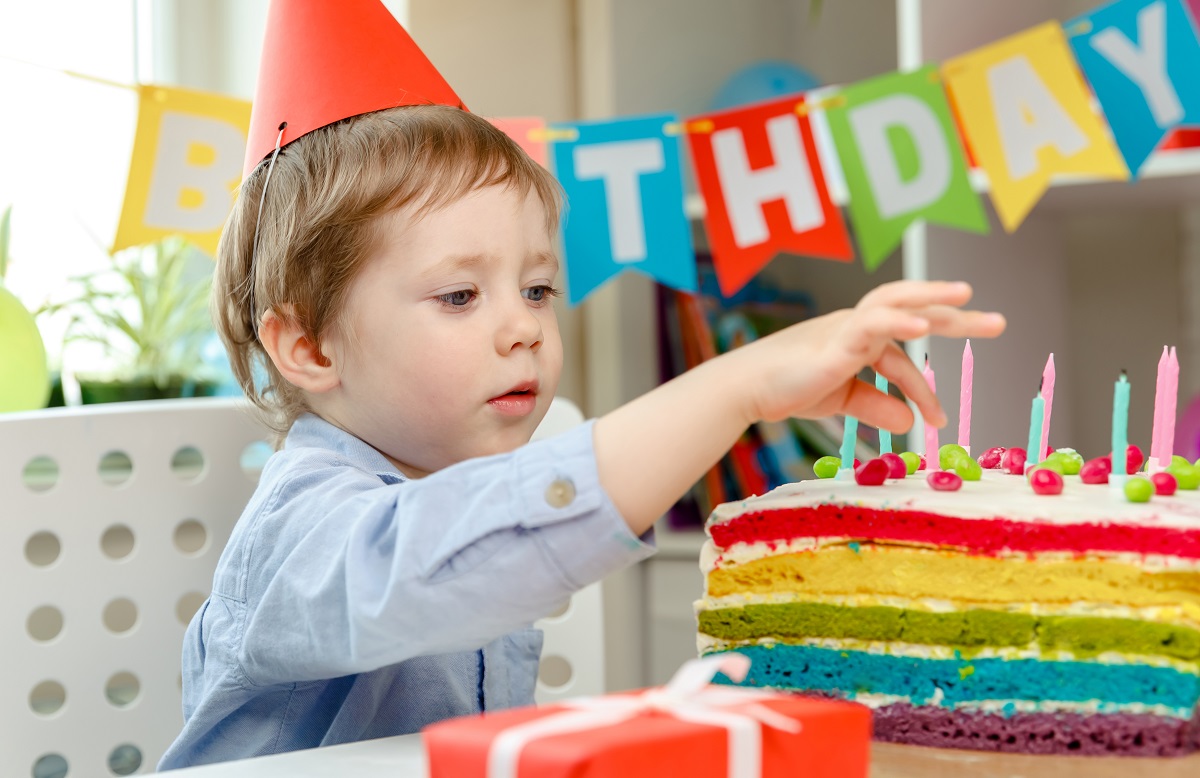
{"points": [[1084, 636]]}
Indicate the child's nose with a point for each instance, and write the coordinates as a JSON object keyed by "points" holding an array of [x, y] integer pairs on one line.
{"points": [[519, 327]]}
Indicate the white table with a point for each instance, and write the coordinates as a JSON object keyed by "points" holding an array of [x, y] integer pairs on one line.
{"points": [[404, 757]]}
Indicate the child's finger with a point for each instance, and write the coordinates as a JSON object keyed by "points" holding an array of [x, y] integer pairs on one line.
{"points": [[863, 332], [917, 294], [873, 407], [895, 365], [954, 322]]}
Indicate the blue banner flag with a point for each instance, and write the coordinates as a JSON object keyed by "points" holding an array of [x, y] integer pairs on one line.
{"points": [[1141, 57], [624, 185]]}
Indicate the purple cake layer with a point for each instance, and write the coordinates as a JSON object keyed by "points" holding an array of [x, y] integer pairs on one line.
{"points": [[1108, 734]]}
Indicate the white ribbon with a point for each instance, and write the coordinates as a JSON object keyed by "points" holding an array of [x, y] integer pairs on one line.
{"points": [[687, 697]]}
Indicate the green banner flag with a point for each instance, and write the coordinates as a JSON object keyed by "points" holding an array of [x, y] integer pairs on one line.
{"points": [[902, 160]]}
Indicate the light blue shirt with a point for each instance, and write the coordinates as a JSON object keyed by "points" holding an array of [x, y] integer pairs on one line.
{"points": [[354, 603]]}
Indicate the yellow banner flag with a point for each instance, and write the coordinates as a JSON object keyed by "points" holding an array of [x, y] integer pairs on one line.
{"points": [[186, 166], [1027, 115]]}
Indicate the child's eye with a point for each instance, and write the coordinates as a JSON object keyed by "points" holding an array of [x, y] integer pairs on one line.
{"points": [[538, 294], [457, 299]]}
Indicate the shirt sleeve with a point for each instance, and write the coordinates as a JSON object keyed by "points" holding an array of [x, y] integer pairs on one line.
{"points": [[344, 574]]}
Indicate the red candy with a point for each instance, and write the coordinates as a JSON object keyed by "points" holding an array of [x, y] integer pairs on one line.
{"points": [[944, 481], [1013, 461], [872, 473], [1046, 481], [1096, 471], [1164, 484], [921, 465], [1133, 458], [990, 459], [896, 466]]}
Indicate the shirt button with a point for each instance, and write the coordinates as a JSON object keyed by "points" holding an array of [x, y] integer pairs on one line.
{"points": [[560, 493]]}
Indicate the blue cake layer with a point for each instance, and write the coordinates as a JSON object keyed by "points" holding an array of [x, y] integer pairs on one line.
{"points": [[962, 680]]}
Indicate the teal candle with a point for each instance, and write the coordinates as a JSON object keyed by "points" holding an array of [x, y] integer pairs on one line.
{"points": [[1032, 454], [1120, 425], [849, 435], [885, 437]]}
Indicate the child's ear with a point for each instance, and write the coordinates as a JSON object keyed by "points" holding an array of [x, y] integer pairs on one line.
{"points": [[297, 357]]}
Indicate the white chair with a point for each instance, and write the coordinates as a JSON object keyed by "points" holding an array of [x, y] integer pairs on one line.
{"points": [[112, 520]]}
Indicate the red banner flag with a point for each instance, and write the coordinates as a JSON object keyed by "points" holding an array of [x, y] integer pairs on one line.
{"points": [[763, 188]]}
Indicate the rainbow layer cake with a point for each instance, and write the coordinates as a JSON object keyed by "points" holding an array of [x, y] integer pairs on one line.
{"points": [[990, 617]]}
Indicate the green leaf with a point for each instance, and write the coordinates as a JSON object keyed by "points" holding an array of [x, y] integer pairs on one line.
{"points": [[5, 235]]}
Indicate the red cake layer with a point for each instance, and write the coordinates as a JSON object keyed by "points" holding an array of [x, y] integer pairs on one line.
{"points": [[979, 536]]}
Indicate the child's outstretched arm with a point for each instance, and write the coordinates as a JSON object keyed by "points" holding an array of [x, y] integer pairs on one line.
{"points": [[651, 450]]}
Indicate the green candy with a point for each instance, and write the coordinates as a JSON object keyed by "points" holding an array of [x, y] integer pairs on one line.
{"points": [[912, 461], [1072, 460], [1186, 476], [1178, 460], [951, 454], [1052, 462], [1139, 490], [968, 469], [827, 467]]}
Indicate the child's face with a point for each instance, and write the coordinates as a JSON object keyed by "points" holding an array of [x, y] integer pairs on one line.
{"points": [[455, 350]]}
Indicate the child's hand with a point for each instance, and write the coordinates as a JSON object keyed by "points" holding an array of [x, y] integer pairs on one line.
{"points": [[811, 369]]}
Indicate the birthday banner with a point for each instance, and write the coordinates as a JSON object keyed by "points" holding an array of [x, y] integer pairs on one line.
{"points": [[186, 166], [1094, 97]]}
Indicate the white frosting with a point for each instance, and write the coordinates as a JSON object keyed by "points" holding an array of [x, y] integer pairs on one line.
{"points": [[996, 495]]}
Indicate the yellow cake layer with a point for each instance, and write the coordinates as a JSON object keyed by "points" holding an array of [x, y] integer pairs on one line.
{"points": [[916, 573]]}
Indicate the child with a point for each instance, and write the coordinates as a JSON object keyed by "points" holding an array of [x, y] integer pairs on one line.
{"points": [[397, 289]]}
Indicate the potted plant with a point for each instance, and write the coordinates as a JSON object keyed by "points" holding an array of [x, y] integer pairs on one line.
{"points": [[149, 312], [24, 381]]}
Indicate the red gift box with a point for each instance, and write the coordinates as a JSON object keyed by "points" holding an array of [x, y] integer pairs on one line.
{"points": [[658, 733]]}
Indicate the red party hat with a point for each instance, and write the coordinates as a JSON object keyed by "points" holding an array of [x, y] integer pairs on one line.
{"points": [[328, 60]]}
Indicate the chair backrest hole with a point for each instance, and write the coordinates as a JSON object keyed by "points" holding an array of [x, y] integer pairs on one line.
{"points": [[122, 688], [555, 671], [49, 766], [40, 474], [42, 549], [188, 463], [115, 468], [188, 605], [191, 537], [117, 542], [47, 698], [45, 623], [125, 759], [120, 615], [254, 458]]}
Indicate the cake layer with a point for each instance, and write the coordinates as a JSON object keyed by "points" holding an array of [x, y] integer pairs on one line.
{"points": [[1082, 636], [914, 573], [950, 681], [1122, 734], [1084, 518]]}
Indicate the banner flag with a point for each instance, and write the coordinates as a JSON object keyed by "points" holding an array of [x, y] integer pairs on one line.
{"points": [[764, 191], [624, 182], [1026, 114], [1141, 57], [902, 159], [185, 168], [529, 132]]}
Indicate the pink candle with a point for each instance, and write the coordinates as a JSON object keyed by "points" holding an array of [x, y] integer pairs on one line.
{"points": [[964, 397], [931, 433], [1156, 434], [1048, 396], [1168, 420]]}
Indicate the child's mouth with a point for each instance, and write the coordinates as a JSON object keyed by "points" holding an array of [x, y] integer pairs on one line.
{"points": [[518, 402]]}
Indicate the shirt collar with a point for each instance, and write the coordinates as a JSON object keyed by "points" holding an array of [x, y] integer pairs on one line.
{"points": [[311, 431]]}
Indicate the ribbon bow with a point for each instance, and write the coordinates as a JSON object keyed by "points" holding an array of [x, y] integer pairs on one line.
{"points": [[688, 697]]}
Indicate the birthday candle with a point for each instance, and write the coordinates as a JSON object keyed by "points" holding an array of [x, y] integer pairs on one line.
{"points": [[849, 436], [931, 433], [1160, 405], [964, 397], [1120, 425], [1033, 454], [885, 436], [1048, 397], [1172, 398]]}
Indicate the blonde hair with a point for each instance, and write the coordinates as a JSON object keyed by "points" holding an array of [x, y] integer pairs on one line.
{"points": [[320, 222]]}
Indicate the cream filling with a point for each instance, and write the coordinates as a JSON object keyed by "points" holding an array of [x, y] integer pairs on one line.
{"points": [[1090, 707]]}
